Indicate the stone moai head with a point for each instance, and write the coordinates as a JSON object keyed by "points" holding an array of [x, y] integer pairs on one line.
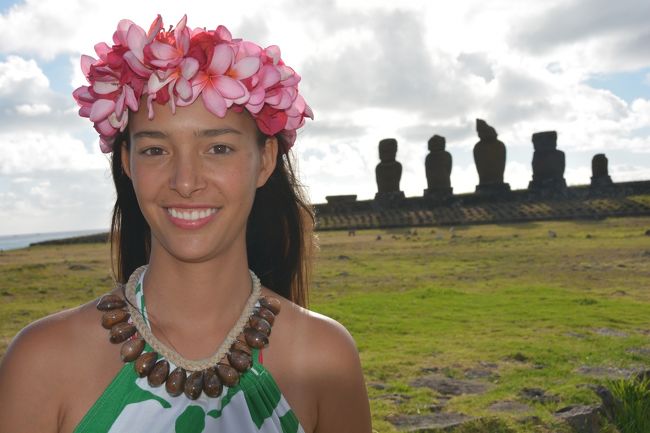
{"points": [[387, 150], [437, 143], [545, 141], [599, 165], [485, 131]]}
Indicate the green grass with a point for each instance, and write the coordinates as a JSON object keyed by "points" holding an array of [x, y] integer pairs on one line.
{"points": [[632, 412], [488, 294], [38, 281]]}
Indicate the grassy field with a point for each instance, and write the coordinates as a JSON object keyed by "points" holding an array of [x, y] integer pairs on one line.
{"points": [[509, 306]]}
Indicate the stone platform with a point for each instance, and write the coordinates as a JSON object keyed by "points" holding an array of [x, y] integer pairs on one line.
{"points": [[576, 202]]}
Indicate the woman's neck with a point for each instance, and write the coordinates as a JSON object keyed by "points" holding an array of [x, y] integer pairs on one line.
{"points": [[192, 306]]}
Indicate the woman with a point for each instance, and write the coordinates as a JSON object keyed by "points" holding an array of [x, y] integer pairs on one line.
{"points": [[199, 126]]}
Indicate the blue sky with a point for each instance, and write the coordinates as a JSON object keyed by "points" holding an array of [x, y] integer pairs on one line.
{"points": [[628, 85], [4, 5], [370, 70]]}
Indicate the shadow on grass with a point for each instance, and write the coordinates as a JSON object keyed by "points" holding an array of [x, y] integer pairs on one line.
{"points": [[483, 425], [589, 222], [520, 226]]}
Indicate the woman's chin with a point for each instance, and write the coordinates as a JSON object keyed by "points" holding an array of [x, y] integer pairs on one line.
{"points": [[192, 249]]}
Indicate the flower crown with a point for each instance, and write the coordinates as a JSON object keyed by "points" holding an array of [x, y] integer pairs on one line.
{"points": [[178, 65]]}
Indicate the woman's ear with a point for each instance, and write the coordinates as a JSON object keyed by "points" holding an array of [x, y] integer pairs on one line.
{"points": [[124, 156], [269, 158]]}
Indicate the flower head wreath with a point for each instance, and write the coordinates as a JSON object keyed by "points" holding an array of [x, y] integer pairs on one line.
{"points": [[179, 65]]}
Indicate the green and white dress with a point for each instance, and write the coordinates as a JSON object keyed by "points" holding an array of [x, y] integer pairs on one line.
{"points": [[130, 405]]}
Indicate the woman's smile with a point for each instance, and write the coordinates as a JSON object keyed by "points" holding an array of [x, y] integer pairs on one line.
{"points": [[192, 217]]}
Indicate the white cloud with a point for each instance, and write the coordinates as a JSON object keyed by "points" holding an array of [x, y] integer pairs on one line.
{"points": [[31, 152], [33, 109], [56, 200], [46, 29], [611, 36], [578, 175], [464, 178], [20, 75], [29, 104], [628, 172], [518, 175]]}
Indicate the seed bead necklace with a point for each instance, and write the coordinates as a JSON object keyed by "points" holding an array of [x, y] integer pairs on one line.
{"points": [[127, 325]]}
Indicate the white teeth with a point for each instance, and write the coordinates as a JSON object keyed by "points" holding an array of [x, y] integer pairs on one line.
{"points": [[191, 214]]}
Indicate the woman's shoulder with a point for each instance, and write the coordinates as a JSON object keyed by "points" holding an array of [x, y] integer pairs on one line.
{"points": [[49, 346], [323, 360], [329, 342], [54, 336], [43, 362]]}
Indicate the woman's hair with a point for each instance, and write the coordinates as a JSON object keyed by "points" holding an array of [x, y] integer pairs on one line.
{"points": [[279, 232]]}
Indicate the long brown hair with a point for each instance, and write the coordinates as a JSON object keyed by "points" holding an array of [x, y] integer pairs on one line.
{"points": [[279, 232]]}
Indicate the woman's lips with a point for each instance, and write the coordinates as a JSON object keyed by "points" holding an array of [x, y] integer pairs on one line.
{"points": [[191, 218]]}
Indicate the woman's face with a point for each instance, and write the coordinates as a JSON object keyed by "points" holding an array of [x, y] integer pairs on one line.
{"points": [[195, 177]]}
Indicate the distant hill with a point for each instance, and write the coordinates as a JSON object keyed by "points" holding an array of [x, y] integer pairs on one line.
{"points": [[88, 239]]}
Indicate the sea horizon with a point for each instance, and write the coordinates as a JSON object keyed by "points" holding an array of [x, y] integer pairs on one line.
{"points": [[14, 242]]}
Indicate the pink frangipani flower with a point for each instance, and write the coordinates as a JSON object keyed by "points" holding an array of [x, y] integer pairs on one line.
{"points": [[179, 65], [220, 83]]}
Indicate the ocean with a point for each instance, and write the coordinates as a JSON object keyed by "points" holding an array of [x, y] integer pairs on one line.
{"points": [[12, 242]]}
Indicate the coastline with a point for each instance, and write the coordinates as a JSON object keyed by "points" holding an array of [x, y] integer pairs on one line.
{"points": [[14, 242]]}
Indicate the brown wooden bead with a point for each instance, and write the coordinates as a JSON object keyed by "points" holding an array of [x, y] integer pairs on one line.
{"points": [[273, 304], [260, 324], [145, 363], [175, 384], [131, 349], [121, 332], [212, 385], [239, 360], [112, 317], [228, 375], [255, 338], [241, 346], [110, 302], [158, 374], [266, 314], [194, 385]]}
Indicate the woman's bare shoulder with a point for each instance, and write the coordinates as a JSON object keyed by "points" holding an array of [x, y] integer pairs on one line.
{"points": [[51, 334], [329, 342], [43, 356], [325, 354]]}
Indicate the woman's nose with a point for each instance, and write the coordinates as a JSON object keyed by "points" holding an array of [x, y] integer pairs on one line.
{"points": [[187, 177]]}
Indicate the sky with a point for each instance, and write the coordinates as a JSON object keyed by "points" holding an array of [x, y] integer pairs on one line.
{"points": [[370, 70]]}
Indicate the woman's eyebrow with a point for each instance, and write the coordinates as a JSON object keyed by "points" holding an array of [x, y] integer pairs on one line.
{"points": [[216, 132], [149, 134]]}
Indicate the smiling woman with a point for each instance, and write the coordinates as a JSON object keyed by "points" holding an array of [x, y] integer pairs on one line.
{"points": [[192, 171], [210, 224]]}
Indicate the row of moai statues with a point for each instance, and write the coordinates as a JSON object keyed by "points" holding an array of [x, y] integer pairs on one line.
{"points": [[490, 160]]}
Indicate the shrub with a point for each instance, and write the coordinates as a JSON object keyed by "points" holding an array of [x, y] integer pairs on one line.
{"points": [[631, 409]]}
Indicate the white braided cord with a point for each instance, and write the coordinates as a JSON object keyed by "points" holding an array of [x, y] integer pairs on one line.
{"points": [[170, 354]]}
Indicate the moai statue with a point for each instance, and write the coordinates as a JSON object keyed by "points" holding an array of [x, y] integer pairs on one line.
{"points": [[490, 160], [599, 171], [548, 164], [388, 171], [438, 169]]}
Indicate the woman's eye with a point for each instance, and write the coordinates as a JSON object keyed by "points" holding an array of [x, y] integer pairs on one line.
{"points": [[153, 151], [220, 149]]}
